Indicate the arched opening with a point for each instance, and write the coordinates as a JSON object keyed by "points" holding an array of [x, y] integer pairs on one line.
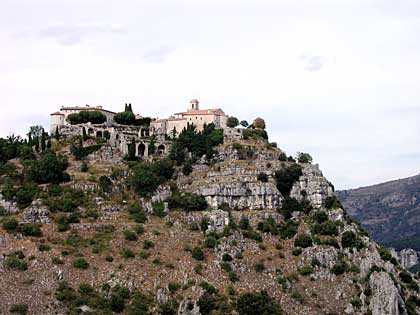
{"points": [[144, 132], [142, 149], [90, 132], [99, 134], [161, 149]]}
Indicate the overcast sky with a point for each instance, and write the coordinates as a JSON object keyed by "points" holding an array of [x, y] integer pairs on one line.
{"points": [[339, 79]]}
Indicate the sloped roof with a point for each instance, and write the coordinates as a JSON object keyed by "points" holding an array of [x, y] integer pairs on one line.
{"points": [[86, 108], [57, 113], [213, 111]]}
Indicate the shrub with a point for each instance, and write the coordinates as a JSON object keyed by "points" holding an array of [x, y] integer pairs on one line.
{"points": [[80, 151], [286, 177], [130, 235], [327, 227], [137, 213], [31, 229], [232, 122], [43, 247], [139, 229], [210, 242], [10, 225], [159, 209], [197, 253], [48, 169], [297, 251], [19, 309], [252, 235], [304, 158], [80, 263], [127, 253], [332, 202], [105, 184], [262, 177], [269, 225], [288, 229], [109, 258], [85, 116], [303, 240], [259, 266], [57, 261], [173, 287], [340, 268], [227, 257], [306, 270], [226, 266], [350, 240], [384, 253], [320, 216], [187, 201], [15, 263], [148, 244], [257, 303], [125, 118], [244, 223], [233, 276], [187, 168]]}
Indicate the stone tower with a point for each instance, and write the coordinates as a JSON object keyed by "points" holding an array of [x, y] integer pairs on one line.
{"points": [[194, 104]]}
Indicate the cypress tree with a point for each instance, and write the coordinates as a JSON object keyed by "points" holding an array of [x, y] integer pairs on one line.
{"points": [[132, 150], [30, 139], [49, 144], [37, 144], [56, 135], [84, 133], [43, 143]]}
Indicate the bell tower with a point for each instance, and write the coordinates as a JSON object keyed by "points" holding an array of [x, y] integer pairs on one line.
{"points": [[194, 105]]}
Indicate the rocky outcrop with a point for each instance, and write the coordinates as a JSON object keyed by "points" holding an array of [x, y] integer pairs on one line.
{"points": [[408, 258], [312, 185], [36, 213], [8, 206], [386, 299]]}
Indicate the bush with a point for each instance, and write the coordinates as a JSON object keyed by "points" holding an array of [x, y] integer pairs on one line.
{"points": [[43, 247], [306, 270], [105, 184], [288, 229], [257, 303], [148, 244], [19, 309], [85, 116], [259, 266], [15, 263], [340, 268], [173, 287], [127, 253], [125, 118], [80, 151], [350, 240], [10, 225], [48, 169], [187, 201], [137, 213], [130, 235], [325, 228], [210, 242], [332, 202], [269, 225], [304, 158], [80, 263], [244, 223], [303, 240], [197, 253], [232, 122], [227, 257], [31, 229], [286, 177], [187, 168], [159, 209], [262, 177]]}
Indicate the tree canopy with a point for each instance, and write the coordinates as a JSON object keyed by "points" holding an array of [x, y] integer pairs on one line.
{"points": [[85, 116]]}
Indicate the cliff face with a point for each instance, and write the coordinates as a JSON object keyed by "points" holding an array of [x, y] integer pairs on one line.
{"points": [[246, 254], [389, 211]]}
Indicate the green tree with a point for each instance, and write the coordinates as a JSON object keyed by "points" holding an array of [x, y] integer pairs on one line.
{"points": [[244, 123], [304, 158], [232, 122], [48, 169], [258, 123], [43, 141], [257, 303]]}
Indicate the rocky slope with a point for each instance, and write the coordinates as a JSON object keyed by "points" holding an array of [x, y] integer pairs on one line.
{"points": [[254, 250], [389, 211]]}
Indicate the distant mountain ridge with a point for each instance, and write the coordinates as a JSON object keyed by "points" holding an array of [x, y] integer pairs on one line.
{"points": [[389, 211]]}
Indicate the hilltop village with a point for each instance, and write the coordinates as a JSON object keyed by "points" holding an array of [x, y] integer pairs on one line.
{"points": [[127, 129], [196, 214]]}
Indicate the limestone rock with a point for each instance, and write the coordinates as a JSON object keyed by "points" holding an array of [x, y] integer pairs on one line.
{"points": [[10, 207], [218, 220], [36, 213], [315, 185], [386, 299], [408, 258]]}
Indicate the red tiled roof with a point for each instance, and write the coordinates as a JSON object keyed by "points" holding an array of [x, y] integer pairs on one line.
{"points": [[214, 111], [57, 113]]}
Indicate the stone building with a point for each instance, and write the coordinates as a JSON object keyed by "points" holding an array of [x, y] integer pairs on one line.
{"points": [[193, 115], [59, 119]]}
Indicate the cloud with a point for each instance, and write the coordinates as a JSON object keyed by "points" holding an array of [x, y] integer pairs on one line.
{"points": [[313, 63], [71, 35], [158, 54]]}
